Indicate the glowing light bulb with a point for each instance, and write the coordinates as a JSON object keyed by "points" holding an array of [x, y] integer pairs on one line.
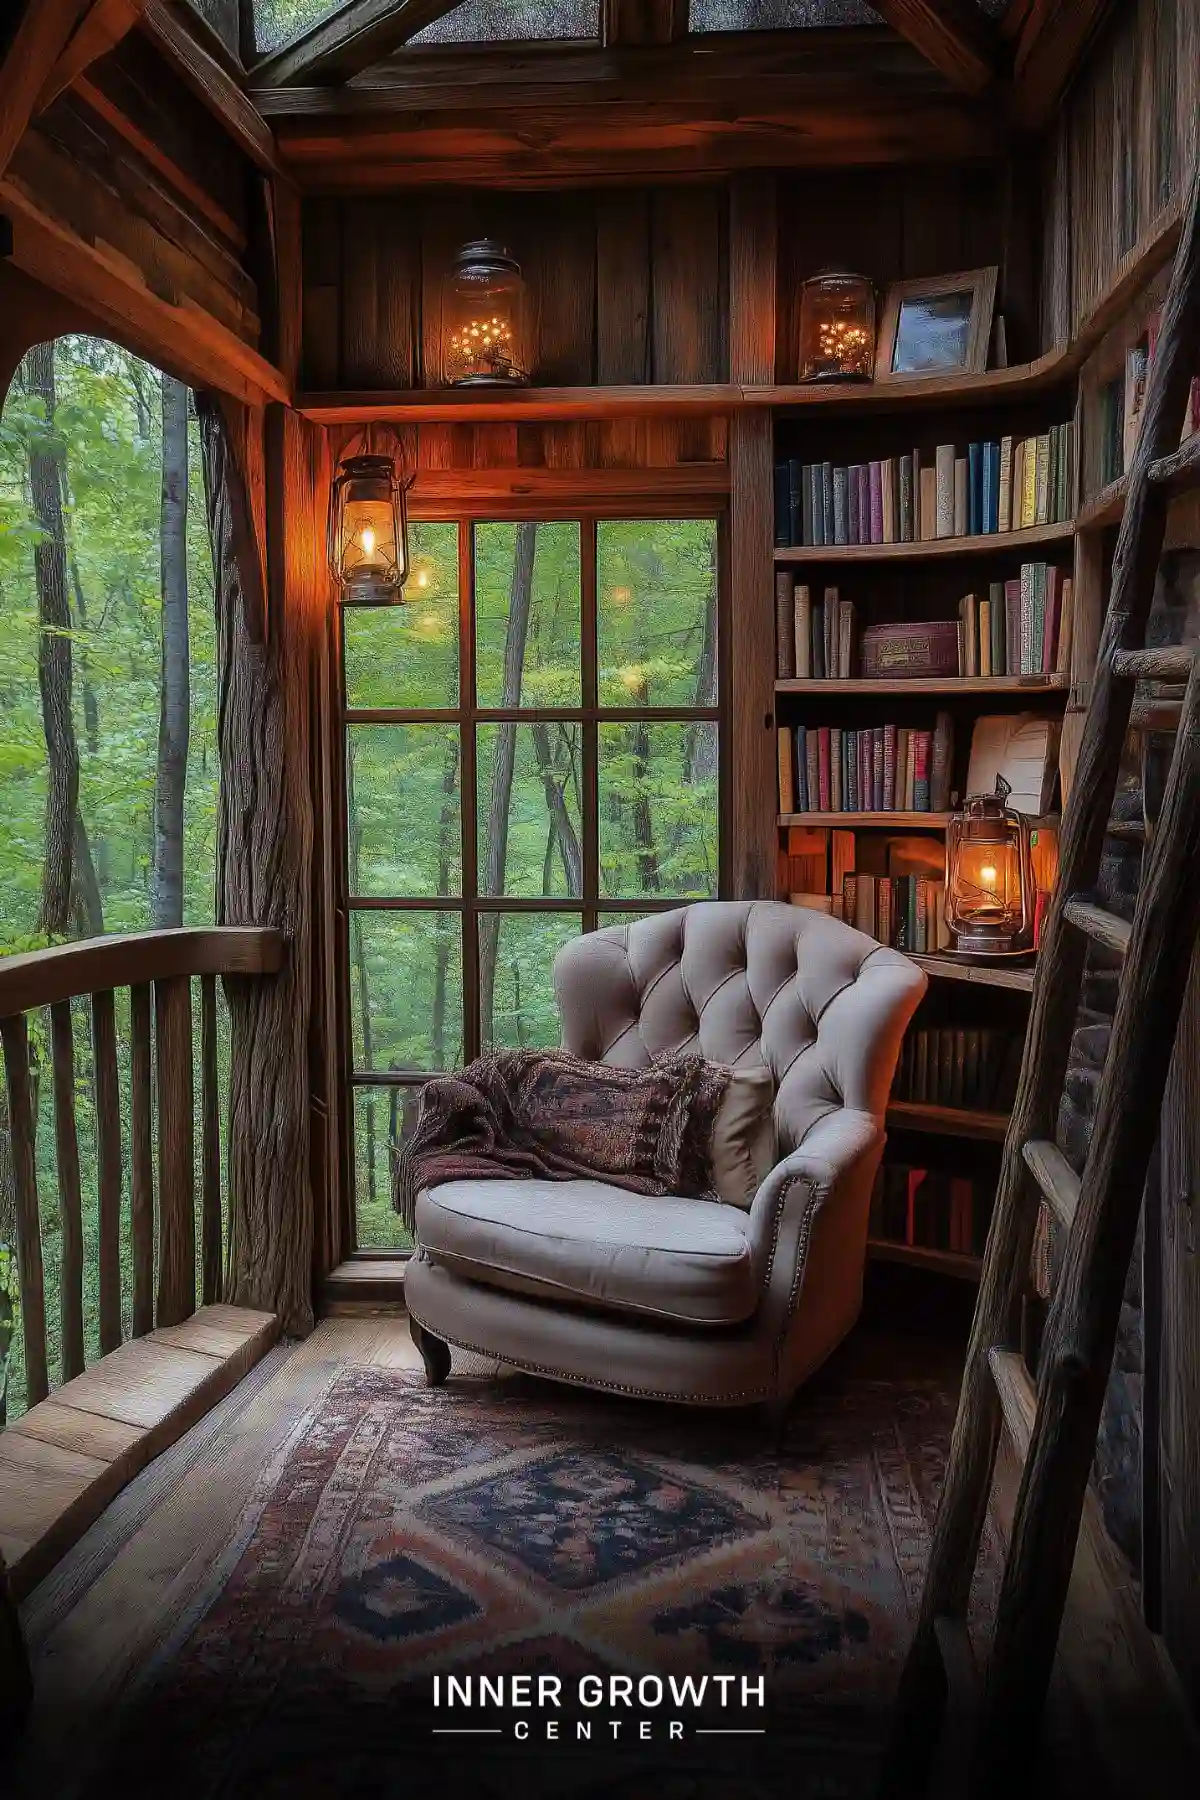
{"points": [[367, 540], [988, 875]]}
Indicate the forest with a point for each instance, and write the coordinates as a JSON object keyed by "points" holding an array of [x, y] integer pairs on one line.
{"points": [[108, 762]]}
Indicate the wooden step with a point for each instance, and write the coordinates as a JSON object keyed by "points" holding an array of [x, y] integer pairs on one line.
{"points": [[1055, 1177], [1101, 926], [1150, 714], [68, 1457], [1018, 1401], [365, 1286], [1168, 662], [1132, 829]]}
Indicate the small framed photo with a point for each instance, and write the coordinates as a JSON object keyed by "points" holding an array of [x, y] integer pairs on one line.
{"points": [[938, 326]]}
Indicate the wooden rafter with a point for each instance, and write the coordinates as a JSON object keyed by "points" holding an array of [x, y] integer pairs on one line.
{"points": [[1053, 39], [212, 84], [38, 42], [643, 21], [953, 35], [349, 40], [101, 29]]}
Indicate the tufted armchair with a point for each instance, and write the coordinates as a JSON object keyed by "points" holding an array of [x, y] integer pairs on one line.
{"points": [[681, 1298]]}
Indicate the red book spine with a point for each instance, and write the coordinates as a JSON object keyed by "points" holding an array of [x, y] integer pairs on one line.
{"points": [[823, 766], [1050, 622], [921, 771], [889, 768], [877, 769]]}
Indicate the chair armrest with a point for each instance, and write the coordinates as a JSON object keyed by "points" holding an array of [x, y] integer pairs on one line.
{"points": [[785, 1207]]}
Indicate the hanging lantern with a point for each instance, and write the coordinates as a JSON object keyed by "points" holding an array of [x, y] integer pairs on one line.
{"points": [[484, 318], [368, 532], [989, 877], [837, 327]]}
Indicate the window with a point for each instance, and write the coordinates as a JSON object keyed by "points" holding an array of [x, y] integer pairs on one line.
{"points": [[777, 15], [532, 749]]}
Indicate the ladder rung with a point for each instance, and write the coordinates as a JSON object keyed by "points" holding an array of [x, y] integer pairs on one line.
{"points": [[1127, 828], [1018, 1402], [1055, 1177], [1168, 662], [1150, 714], [1101, 926]]}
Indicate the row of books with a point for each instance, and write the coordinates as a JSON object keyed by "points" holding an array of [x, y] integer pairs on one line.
{"points": [[906, 911], [929, 1208], [1022, 627], [814, 639], [1009, 485], [881, 768], [976, 1067]]}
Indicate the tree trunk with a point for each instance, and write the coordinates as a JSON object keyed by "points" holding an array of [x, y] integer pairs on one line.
{"points": [[562, 826], [54, 655], [503, 759], [643, 821], [166, 880], [264, 867]]}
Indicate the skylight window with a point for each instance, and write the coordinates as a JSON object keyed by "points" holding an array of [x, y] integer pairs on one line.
{"points": [[511, 21], [277, 22], [777, 15]]}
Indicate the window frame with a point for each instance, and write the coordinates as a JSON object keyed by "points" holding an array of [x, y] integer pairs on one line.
{"points": [[467, 716]]}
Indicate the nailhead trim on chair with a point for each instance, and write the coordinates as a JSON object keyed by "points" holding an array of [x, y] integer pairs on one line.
{"points": [[609, 1387]]}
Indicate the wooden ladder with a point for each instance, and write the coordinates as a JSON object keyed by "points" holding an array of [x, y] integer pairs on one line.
{"points": [[1054, 1431]]}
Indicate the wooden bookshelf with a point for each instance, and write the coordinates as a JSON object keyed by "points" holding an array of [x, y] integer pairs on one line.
{"points": [[946, 966], [1029, 686], [1178, 473], [990, 543], [947, 1121], [924, 1256], [867, 821]]}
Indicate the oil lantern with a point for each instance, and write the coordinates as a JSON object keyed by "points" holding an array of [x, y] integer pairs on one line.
{"points": [[989, 877], [368, 532], [484, 318], [837, 327]]}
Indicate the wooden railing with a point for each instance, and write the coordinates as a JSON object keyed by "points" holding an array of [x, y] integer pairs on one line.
{"points": [[157, 967]]}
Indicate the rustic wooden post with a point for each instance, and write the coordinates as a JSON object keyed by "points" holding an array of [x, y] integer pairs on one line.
{"points": [[265, 842], [176, 1152]]}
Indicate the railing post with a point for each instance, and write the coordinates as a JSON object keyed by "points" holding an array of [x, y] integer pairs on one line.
{"points": [[141, 1159], [70, 1198], [176, 1151], [14, 1032], [210, 1145], [108, 1158]]}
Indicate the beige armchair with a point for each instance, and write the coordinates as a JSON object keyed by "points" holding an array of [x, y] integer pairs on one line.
{"points": [[683, 1298]]}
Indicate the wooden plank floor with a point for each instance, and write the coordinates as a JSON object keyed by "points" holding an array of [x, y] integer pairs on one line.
{"points": [[66, 1459], [111, 1602]]}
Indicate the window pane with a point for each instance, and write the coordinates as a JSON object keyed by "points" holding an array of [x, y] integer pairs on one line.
{"points": [[382, 1117], [529, 810], [407, 656], [500, 21], [277, 22], [516, 977], [658, 809], [656, 602], [406, 990], [777, 15], [527, 614], [402, 797]]}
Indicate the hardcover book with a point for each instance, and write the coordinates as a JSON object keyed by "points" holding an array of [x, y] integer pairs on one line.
{"points": [[785, 661], [909, 651], [944, 490], [1004, 496], [802, 628]]}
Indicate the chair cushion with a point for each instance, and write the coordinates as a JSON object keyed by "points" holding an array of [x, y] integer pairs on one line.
{"points": [[743, 1137], [674, 1259]]}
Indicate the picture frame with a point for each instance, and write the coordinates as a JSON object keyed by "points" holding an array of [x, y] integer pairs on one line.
{"points": [[937, 325]]}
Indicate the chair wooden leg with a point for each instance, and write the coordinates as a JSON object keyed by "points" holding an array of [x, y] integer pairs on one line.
{"points": [[434, 1354], [16, 1679]]}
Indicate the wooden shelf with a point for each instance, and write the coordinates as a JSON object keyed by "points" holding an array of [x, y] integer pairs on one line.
{"points": [[1028, 685], [922, 1256], [947, 1121], [880, 821], [1178, 473], [991, 543], [946, 966]]}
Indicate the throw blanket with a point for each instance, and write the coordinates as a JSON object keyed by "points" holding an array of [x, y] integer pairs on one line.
{"points": [[545, 1113]]}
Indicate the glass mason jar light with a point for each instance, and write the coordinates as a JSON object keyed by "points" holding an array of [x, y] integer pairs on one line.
{"points": [[989, 877], [837, 327], [484, 318], [368, 531]]}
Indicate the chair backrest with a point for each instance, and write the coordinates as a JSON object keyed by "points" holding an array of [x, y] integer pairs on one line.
{"points": [[746, 982]]}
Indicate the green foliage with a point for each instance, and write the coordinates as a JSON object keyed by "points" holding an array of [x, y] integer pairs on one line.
{"points": [[107, 426]]}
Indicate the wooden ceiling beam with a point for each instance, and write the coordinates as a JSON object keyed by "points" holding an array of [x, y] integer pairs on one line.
{"points": [[953, 35], [212, 84], [643, 21], [100, 31], [1053, 39], [41, 36], [348, 41], [769, 67]]}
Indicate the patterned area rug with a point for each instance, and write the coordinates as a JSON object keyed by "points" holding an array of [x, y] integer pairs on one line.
{"points": [[514, 1528]]}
